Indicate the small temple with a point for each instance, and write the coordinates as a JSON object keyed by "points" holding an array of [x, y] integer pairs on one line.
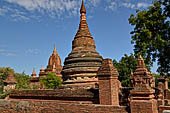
{"points": [[9, 82]]}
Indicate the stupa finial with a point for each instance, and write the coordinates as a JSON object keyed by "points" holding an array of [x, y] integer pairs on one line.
{"points": [[83, 9], [34, 71], [55, 50]]}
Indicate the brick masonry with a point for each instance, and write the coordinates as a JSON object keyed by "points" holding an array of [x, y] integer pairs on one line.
{"points": [[167, 94], [143, 106], [7, 106], [162, 108], [108, 83]]}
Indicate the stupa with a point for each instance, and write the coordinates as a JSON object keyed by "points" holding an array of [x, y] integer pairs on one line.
{"points": [[83, 62]]}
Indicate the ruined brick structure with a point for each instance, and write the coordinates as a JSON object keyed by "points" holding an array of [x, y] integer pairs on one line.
{"points": [[34, 81], [90, 85], [108, 83], [142, 96], [81, 65], [9, 82]]}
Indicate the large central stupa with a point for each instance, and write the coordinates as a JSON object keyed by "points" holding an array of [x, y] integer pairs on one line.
{"points": [[82, 64]]}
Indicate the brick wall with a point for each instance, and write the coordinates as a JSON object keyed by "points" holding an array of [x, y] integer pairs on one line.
{"points": [[108, 89], [59, 95], [162, 108], [167, 94], [7, 106], [143, 106]]}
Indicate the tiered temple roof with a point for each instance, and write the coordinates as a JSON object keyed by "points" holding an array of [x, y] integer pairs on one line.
{"points": [[142, 81], [33, 75], [10, 79], [83, 62], [142, 75]]}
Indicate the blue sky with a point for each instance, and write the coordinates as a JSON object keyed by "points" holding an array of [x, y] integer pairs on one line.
{"points": [[30, 28]]}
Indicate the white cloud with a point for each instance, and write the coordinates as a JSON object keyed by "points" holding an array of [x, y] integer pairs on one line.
{"points": [[128, 5], [33, 9], [8, 54], [93, 2], [113, 6], [36, 9], [32, 51], [48, 6], [142, 5]]}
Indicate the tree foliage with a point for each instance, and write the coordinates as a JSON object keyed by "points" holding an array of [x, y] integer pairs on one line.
{"points": [[23, 81], [4, 71], [151, 34], [51, 81], [125, 66]]}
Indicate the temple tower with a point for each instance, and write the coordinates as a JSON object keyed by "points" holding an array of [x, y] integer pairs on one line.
{"points": [[83, 62], [54, 63], [34, 81], [142, 96]]}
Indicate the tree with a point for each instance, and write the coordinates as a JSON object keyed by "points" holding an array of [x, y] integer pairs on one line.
{"points": [[151, 34], [156, 79], [125, 66], [4, 71], [23, 81], [51, 81]]}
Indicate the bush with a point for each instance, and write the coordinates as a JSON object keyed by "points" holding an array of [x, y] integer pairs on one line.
{"points": [[2, 96], [35, 87], [51, 81], [23, 81]]}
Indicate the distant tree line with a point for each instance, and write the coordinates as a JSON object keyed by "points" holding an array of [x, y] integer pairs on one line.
{"points": [[50, 81]]}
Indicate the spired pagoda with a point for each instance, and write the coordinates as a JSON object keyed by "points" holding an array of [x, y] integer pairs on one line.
{"points": [[54, 63], [82, 64]]}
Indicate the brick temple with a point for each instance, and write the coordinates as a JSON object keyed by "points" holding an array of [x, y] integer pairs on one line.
{"points": [[90, 84], [82, 64]]}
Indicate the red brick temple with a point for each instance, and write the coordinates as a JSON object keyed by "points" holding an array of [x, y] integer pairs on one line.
{"points": [[81, 65], [90, 84], [54, 65]]}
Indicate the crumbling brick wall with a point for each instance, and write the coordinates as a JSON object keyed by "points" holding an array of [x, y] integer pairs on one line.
{"points": [[7, 106]]}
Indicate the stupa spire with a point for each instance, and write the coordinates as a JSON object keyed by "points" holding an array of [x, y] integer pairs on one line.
{"points": [[83, 9], [33, 73], [41, 70], [55, 50]]}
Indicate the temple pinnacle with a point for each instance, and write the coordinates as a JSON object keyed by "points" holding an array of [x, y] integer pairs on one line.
{"points": [[55, 50], [33, 71], [83, 9], [141, 62]]}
